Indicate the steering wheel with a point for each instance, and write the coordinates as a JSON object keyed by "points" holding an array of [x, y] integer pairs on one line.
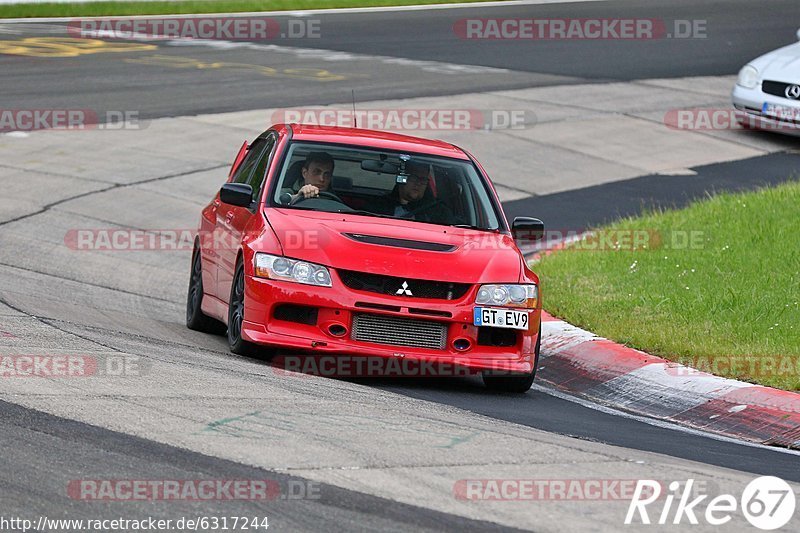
{"points": [[321, 194]]}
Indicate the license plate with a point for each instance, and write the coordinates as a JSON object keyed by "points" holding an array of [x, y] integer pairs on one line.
{"points": [[780, 111], [501, 318]]}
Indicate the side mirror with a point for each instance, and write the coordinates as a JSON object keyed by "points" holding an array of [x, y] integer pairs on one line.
{"points": [[798, 35], [239, 194], [526, 230]]}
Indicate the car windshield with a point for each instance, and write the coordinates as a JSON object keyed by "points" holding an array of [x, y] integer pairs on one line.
{"points": [[380, 183]]}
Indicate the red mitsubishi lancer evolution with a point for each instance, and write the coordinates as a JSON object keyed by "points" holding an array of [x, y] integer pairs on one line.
{"points": [[345, 241]]}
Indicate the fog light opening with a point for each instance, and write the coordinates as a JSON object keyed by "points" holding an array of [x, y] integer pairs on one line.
{"points": [[337, 330], [462, 344]]}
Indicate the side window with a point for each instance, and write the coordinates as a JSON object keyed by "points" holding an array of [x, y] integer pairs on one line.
{"points": [[256, 180], [250, 160]]}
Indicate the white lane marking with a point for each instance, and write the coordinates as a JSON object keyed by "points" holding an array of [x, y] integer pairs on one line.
{"points": [[333, 55], [305, 12], [658, 423]]}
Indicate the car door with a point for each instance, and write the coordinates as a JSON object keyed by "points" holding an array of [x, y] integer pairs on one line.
{"points": [[208, 224], [232, 220]]}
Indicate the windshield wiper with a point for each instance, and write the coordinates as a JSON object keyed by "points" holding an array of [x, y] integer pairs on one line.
{"points": [[470, 226], [364, 212], [298, 207]]}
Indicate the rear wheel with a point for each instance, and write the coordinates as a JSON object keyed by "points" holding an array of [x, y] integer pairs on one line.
{"points": [[510, 382], [195, 318], [238, 345]]}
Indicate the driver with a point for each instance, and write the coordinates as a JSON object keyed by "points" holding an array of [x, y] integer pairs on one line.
{"points": [[317, 173]]}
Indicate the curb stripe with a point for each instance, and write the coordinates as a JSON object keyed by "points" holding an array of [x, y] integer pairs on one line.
{"points": [[579, 362]]}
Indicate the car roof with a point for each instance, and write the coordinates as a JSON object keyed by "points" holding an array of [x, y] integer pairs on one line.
{"points": [[374, 139]]}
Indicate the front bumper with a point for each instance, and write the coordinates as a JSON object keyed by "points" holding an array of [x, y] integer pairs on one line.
{"points": [[749, 103], [332, 327]]}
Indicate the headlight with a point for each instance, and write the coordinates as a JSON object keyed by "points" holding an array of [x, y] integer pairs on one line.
{"points": [[276, 267], [748, 77], [508, 295]]}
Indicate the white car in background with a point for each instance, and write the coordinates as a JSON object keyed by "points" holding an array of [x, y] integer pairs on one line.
{"points": [[767, 92]]}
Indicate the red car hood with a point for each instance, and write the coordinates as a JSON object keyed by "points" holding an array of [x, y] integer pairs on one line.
{"points": [[319, 237]]}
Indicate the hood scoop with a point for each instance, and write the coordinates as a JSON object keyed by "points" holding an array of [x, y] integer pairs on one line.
{"points": [[400, 243]]}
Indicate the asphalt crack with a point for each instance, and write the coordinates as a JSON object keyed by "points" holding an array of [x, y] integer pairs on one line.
{"points": [[49, 206]]}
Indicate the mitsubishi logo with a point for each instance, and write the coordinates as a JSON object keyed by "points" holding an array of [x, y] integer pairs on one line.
{"points": [[404, 290], [793, 92]]}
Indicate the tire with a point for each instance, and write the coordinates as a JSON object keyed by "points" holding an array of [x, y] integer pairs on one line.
{"points": [[237, 344], [195, 318], [516, 383]]}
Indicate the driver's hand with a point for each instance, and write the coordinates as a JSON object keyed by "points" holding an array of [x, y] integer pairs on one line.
{"points": [[309, 191]]}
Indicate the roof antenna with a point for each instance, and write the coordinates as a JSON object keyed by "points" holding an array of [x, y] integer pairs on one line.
{"points": [[355, 118]]}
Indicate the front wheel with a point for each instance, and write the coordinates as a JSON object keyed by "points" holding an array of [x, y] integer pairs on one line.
{"points": [[517, 383], [238, 345]]}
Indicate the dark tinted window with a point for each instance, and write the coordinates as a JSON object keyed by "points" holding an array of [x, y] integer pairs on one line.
{"points": [[256, 179], [246, 168]]}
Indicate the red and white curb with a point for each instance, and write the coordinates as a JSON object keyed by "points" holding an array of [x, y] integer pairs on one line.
{"points": [[583, 364]]}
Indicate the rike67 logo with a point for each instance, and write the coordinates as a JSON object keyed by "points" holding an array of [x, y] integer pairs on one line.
{"points": [[767, 502]]}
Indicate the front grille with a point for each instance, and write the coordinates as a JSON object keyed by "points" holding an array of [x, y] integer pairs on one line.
{"points": [[398, 331], [419, 288], [777, 88]]}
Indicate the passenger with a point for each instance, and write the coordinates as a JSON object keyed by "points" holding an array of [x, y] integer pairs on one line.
{"points": [[412, 200]]}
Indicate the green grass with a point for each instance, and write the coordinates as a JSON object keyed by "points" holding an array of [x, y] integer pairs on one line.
{"points": [[728, 304], [97, 9]]}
